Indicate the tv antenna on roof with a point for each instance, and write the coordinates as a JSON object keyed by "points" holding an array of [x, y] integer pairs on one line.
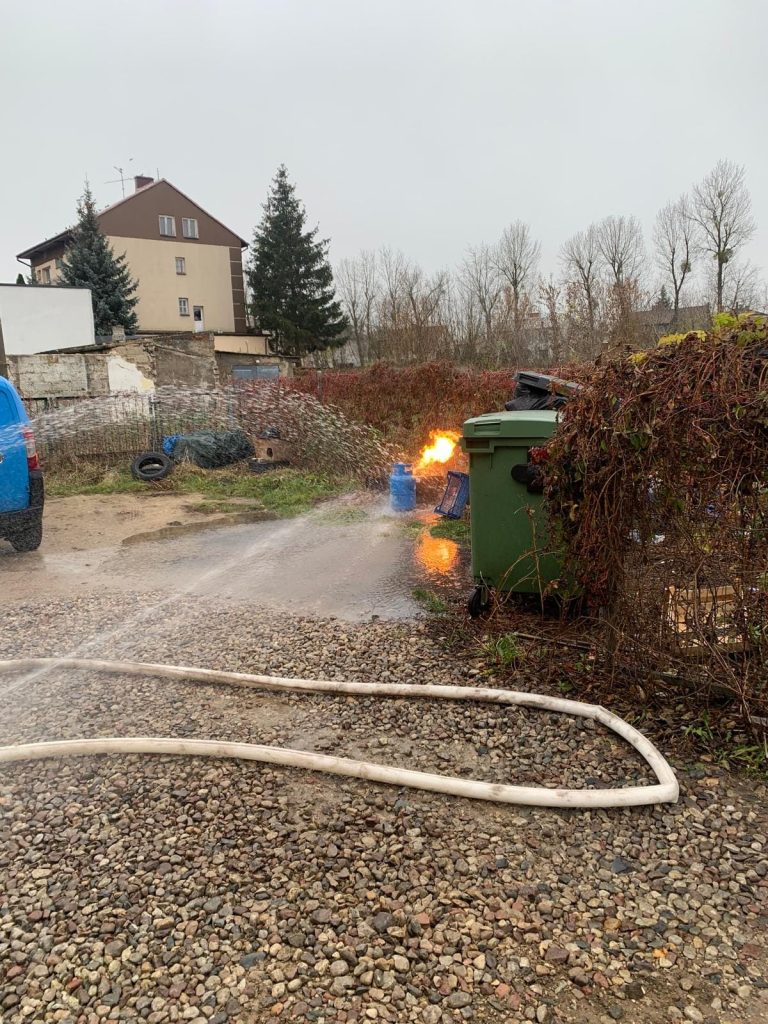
{"points": [[122, 179]]}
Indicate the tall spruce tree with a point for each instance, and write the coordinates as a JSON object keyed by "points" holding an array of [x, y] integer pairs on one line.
{"points": [[291, 280], [90, 263]]}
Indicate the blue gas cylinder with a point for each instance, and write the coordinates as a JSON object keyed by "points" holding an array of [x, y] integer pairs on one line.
{"points": [[402, 487]]}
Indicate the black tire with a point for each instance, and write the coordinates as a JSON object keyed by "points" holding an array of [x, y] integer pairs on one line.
{"points": [[151, 466], [28, 537], [478, 602]]}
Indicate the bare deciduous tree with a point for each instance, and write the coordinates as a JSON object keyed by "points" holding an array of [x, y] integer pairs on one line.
{"points": [[517, 257], [620, 241], [358, 289], [743, 288], [549, 295], [582, 262], [722, 210], [494, 310], [479, 277], [394, 270], [673, 244]]}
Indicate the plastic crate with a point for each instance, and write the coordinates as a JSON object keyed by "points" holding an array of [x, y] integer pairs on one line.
{"points": [[456, 496]]}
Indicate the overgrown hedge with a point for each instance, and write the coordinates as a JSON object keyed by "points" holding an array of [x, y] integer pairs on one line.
{"points": [[406, 403], [657, 485]]}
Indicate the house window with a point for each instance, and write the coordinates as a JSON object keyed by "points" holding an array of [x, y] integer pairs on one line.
{"points": [[46, 275], [168, 226], [183, 307], [181, 265], [189, 227], [59, 264]]}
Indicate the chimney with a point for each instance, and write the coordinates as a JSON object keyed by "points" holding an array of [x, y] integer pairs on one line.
{"points": [[141, 181]]}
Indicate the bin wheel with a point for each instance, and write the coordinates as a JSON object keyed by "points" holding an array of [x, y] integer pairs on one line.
{"points": [[478, 602]]}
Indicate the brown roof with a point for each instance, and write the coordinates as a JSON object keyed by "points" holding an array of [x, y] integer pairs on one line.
{"points": [[63, 238]]}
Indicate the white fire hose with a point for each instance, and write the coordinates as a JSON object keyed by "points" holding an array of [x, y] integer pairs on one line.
{"points": [[666, 791]]}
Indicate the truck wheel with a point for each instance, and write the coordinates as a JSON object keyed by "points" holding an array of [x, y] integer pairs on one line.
{"points": [[151, 466], [28, 537]]}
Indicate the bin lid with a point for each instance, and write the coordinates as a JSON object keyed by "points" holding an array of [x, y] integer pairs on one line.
{"points": [[535, 423]]}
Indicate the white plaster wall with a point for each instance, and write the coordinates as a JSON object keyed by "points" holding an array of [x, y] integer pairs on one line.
{"points": [[42, 319], [124, 375]]}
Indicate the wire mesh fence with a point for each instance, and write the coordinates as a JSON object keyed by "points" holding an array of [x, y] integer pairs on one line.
{"points": [[113, 429]]}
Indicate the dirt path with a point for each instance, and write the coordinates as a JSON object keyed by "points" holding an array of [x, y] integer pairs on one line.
{"points": [[86, 521]]}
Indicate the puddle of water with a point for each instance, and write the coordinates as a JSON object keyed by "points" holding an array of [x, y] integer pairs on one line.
{"points": [[179, 529], [351, 558], [436, 555]]}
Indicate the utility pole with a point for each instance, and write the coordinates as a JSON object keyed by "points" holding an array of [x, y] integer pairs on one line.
{"points": [[3, 361]]}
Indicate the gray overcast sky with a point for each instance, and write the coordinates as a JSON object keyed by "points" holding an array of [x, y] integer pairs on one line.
{"points": [[421, 125]]}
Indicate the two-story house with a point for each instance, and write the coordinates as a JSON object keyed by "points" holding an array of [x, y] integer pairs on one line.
{"points": [[188, 264]]}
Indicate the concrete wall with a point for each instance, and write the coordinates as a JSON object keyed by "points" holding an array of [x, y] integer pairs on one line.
{"points": [[138, 365], [207, 282], [41, 319], [49, 376], [187, 362]]}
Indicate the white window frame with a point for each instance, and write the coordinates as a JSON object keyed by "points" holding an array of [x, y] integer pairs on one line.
{"points": [[181, 262], [183, 306], [164, 221], [189, 227], [46, 275]]}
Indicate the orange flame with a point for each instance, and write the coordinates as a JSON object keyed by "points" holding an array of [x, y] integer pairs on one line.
{"points": [[440, 449]]}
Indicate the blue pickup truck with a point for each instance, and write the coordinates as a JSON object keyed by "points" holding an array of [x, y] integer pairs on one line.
{"points": [[21, 479]]}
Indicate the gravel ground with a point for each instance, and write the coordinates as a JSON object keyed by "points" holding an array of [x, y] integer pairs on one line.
{"points": [[165, 889]]}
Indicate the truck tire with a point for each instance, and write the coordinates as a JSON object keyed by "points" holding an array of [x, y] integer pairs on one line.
{"points": [[151, 466], [29, 536]]}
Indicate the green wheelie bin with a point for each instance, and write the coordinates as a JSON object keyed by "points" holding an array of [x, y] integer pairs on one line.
{"points": [[510, 542]]}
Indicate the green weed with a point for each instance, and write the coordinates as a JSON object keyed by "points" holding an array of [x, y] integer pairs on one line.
{"points": [[504, 649], [451, 529], [728, 749], [700, 729], [429, 600]]}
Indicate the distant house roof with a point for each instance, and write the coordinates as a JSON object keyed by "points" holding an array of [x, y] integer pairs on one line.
{"points": [[63, 238], [55, 242], [661, 317]]}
